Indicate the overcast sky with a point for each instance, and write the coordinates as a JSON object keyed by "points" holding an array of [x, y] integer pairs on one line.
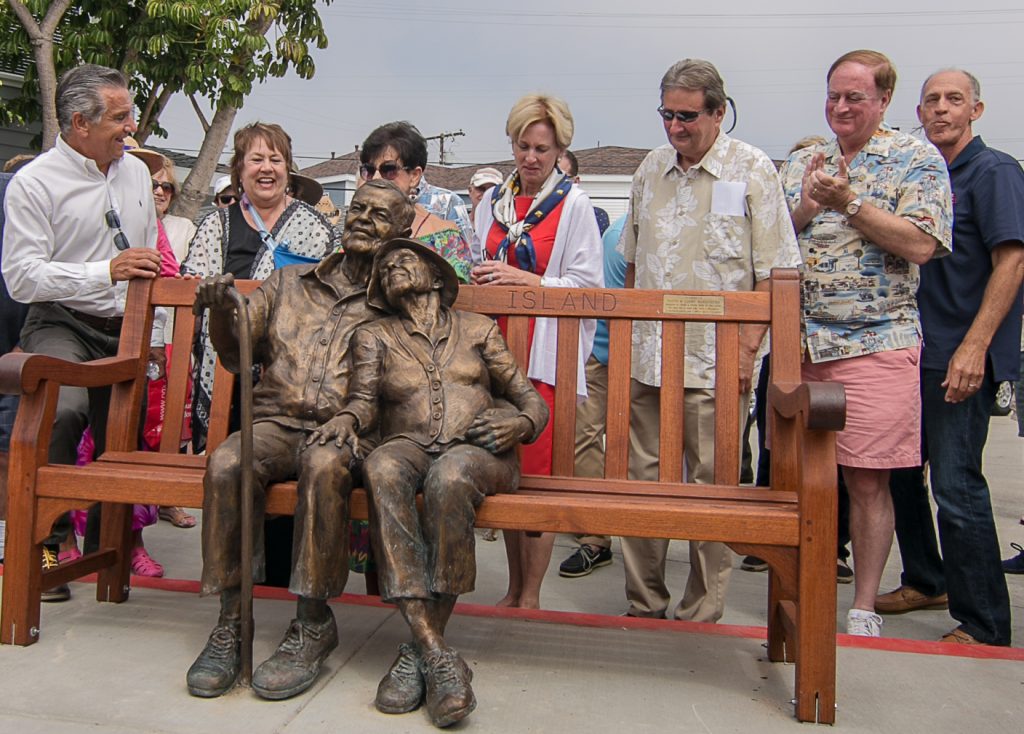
{"points": [[455, 65]]}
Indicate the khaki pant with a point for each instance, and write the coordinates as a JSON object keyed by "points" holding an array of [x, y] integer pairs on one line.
{"points": [[591, 419], [644, 558]]}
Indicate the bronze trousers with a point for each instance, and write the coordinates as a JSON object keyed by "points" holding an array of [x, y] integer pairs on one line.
{"points": [[425, 554], [320, 541]]}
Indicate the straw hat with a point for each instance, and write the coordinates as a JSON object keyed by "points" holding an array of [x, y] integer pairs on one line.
{"points": [[305, 188], [154, 161], [326, 207], [449, 280]]}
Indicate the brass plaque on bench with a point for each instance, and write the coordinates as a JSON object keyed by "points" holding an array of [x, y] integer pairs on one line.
{"points": [[704, 305]]}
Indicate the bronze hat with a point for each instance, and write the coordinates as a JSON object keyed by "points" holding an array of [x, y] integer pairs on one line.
{"points": [[449, 280]]}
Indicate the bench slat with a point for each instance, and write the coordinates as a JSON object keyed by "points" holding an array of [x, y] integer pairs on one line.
{"points": [[620, 360], [563, 435], [727, 405], [672, 413]]}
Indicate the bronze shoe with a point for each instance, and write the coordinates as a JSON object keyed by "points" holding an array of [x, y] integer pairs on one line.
{"points": [[449, 695], [216, 669], [908, 599], [401, 690], [296, 663]]}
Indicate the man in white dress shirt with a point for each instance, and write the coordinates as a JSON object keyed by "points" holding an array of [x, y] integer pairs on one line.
{"points": [[80, 223]]}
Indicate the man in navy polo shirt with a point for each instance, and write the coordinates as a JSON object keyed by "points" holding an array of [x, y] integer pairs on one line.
{"points": [[970, 307]]}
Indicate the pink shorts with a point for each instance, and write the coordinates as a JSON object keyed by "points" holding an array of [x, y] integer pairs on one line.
{"points": [[883, 407]]}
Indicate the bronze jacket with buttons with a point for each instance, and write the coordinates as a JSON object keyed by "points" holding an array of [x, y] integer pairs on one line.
{"points": [[428, 393], [302, 318]]}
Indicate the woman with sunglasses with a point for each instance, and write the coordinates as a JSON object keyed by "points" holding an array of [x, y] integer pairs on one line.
{"points": [[242, 238], [539, 230], [398, 153]]}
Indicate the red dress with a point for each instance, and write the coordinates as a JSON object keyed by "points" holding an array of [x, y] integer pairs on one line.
{"points": [[536, 457]]}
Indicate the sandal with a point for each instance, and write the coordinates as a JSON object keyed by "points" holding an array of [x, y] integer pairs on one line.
{"points": [[177, 517], [144, 565]]}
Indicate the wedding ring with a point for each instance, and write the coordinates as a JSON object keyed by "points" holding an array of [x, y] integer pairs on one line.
{"points": [[491, 277]]}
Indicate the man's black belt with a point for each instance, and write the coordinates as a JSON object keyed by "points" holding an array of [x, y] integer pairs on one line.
{"points": [[107, 324]]}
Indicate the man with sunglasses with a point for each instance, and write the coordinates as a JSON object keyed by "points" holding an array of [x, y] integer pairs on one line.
{"points": [[224, 194], [706, 212], [80, 224]]}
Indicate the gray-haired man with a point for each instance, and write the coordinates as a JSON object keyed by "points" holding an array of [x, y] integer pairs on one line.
{"points": [[80, 223], [706, 212]]}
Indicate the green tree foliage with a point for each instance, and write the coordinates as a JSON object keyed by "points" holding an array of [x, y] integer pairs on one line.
{"points": [[216, 50]]}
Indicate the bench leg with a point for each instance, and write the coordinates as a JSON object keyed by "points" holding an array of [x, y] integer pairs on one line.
{"points": [[780, 649], [113, 582], [816, 600], [19, 616]]}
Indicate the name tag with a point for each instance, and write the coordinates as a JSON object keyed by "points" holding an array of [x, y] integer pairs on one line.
{"points": [[728, 198]]}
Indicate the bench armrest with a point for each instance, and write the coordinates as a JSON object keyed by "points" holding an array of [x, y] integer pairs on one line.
{"points": [[822, 404], [21, 372]]}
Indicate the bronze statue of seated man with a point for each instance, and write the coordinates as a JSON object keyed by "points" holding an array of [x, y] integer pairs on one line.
{"points": [[450, 405], [302, 318]]}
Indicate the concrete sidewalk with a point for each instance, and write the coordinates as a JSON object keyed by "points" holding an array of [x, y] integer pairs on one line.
{"points": [[122, 667]]}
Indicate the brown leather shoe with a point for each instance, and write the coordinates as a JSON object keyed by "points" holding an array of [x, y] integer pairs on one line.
{"points": [[959, 637], [908, 599]]}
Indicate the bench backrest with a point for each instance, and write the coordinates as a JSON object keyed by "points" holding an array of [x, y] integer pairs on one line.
{"points": [[677, 310]]}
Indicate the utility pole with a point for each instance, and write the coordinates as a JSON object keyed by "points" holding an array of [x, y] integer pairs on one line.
{"points": [[440, 137]]}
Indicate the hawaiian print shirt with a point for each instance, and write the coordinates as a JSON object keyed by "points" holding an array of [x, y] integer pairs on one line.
{"points": [[722, 225], [857, 298], [447, 205]]}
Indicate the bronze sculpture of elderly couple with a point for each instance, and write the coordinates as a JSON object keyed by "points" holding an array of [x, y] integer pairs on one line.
{"points": [[365, 366]]}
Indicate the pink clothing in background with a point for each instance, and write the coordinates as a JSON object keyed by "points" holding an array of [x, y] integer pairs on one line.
{"points": [[169, 266]]}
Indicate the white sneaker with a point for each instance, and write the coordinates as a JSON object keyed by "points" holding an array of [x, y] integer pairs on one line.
{"points": [[863, 623]]}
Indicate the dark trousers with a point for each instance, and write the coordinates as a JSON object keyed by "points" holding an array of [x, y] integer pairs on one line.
{"points": [[51, 330], [954, 436]]}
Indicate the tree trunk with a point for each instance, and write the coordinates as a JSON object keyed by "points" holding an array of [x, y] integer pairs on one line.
{"points": [[41, 37], [197, 185]]}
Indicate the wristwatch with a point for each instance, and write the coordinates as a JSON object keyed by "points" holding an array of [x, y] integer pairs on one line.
{"points": [[853, 207]]}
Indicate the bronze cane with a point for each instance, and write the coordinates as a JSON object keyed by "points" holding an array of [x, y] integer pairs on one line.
{"points": [[245, 375]]}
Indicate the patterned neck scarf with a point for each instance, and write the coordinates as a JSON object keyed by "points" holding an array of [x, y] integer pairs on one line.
{"points": [[517, 232]]}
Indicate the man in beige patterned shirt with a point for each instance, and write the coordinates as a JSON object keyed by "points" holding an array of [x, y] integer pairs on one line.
{"points": [[707, 212]]}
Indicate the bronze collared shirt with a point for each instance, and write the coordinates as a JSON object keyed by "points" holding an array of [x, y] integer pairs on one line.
{"points": [[431, 393], [302, 319]]}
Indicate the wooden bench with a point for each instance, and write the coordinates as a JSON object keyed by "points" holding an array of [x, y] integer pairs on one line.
{"points": [[792, 525]]}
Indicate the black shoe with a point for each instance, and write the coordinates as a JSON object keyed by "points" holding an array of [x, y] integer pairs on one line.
{"points": [[216, 669], [753, 563], [844, 574], [584, 561], [57, 593], [401, 690], [1015, 564], [295, 664], [449, 695]]}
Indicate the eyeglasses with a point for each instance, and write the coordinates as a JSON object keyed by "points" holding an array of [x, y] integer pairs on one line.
{"points": [[114, 222], [227, 199], [165, 186], [855, 98], [681, 115], [389, 170]]}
